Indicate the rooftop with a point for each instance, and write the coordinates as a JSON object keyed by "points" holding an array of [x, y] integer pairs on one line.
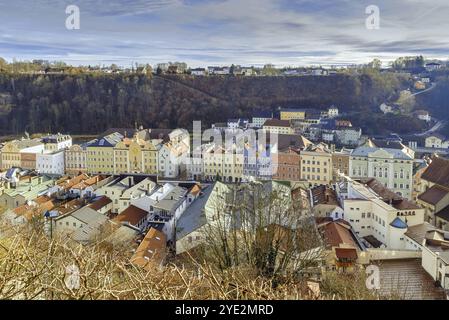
{"points": [[277, 123], [433, 195], [151, 249], [131, 215], [437, 172]]}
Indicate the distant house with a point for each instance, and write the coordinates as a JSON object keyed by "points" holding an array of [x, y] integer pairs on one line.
{"points": [[386, 108], [423, 115], [198, 72], [432, 66], [219, 70], [259, 118], [332, 112], [419, 85], [278, 126], [436, 140]]}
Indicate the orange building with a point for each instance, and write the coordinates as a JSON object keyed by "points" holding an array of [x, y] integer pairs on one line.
{"points": [[286, 166]]}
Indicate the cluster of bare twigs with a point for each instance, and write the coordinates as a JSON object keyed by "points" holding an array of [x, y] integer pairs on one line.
{"points": [[33, 266]]}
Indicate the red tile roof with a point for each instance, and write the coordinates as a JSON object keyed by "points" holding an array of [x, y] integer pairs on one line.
{"points": [[132, 215]]}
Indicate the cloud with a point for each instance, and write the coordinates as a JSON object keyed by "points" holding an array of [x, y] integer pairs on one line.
{"points": [[284, 32]]}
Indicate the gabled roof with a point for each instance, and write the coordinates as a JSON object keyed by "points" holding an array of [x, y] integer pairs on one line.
{"points": [[324, 195], [151, 251], [437, 172], [100, 203], [389, 196], [433, 195], [131, 215], [89, 216], [443, 213], [336, 233]]}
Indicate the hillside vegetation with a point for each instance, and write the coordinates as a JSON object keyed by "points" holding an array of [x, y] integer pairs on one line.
{"points": [[89, 104]]}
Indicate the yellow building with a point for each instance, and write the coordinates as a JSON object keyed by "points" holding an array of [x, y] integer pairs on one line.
{"points": [[292, 114], [278, 126], [19, 153], [226, 165], [75, 160], [100, 154], [136, 155], [316, 165]]}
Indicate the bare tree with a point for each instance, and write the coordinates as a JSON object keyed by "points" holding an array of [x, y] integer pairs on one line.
{"points": [[258, 225]]}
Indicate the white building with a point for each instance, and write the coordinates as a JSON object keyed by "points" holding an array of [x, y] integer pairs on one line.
{"points": [[436, 141], [432, 66], [435, 256], [375, 212], [260, 118], [332, 112], [173, 154], [57, 142], [348, 136], [51, 162], [198, 72], [423, 115], [389, 162], [386, 108]]}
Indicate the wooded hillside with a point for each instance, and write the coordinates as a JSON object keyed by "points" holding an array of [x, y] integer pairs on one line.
{"points": [[85, 103]]}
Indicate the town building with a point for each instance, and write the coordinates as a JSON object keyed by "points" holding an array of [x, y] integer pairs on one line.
{"points": [[137, 155], [433, 192], [391, 163], [24, 188], [173, 154], [379, 215], [51, 162], [423, 115], [435, 256], [286, 165], [340, 162], [278, 126], [316, 165], [292, 114], [436, 140], [152, 250], [83, 225], [433, 66], [325, 202], [198, 72], [21, 153], [100, 154], [125, 189], [76, 159], [259, 118], [56, 142]]}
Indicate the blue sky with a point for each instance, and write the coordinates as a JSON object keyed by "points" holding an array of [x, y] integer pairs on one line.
{"points": [[205, 32]]}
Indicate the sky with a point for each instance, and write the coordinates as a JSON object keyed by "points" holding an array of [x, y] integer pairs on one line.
{"points": [[222, 32]]}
